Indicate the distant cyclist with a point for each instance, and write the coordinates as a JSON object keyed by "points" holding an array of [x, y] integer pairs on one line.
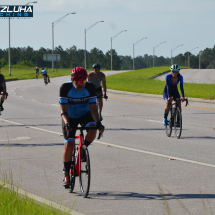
{"points": [[45, 76], [3, 90], [170, 91], [96, 77], [37, 72], [78, 106]]}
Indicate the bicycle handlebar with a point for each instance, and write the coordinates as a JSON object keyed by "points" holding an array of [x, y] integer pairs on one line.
{"points": [[85, 128], [186, 99]]}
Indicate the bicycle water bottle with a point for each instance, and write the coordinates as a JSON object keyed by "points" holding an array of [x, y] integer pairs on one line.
{"points": [[76, 155]]}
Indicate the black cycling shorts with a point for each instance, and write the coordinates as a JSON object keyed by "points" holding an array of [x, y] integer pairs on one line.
{"points": [[99, 93], [84, 120]]}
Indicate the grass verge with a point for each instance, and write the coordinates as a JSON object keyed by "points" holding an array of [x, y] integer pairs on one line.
{"points": [[139, 81]]}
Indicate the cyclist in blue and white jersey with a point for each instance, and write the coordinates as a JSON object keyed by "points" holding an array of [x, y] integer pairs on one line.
{"points": [[45, 76], [78, 106], [171, 90]]}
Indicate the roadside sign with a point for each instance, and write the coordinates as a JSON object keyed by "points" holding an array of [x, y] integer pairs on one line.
{"points": [[51, 57]]}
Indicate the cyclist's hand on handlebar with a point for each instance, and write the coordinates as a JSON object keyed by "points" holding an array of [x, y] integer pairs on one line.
{"points": [[100, 127], [105, 96], [67, 127], [183, 99]]}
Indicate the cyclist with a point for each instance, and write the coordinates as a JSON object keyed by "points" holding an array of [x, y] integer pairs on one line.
{"points": [[96, 77], [3, 90], [171, 91], [45, 76], [37, 72], [78, 106]]}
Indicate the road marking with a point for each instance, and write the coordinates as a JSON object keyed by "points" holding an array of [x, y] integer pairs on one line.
{"points": [[40, 199], [18, 138], [150, 120], [56, 105], [33, 100], [123, 147], [132, 100]]}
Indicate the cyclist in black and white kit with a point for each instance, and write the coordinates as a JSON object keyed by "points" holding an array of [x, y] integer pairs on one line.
{"points": [[96, 77], [78, 106], [3, 90]]}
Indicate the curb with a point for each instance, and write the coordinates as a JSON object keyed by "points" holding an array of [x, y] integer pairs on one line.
{"points": [[158, 96]]}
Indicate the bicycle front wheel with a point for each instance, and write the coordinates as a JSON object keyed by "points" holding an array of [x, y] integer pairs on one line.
{"points": [[169, 124], [178, 123], [72, 177], [84, 175]]}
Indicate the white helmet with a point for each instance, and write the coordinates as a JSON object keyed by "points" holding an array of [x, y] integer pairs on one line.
{"points": [[36, 67], [175, 68]]}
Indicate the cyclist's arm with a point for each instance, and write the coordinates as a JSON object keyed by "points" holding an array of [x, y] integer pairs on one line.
{"points": [[168, 87], [4, 86], [64, 109], [181, 86], [94, 112], [104, 83], [89, 78]]}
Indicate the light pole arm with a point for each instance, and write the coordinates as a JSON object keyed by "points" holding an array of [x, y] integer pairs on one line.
{"points": [[92, 25], [140, 40], [56, 22], [117, 34], [158, 45]]}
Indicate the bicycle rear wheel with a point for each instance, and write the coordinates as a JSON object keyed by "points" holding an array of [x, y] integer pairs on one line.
{"points": [[169, 125], [84, 175], [178, 120]]}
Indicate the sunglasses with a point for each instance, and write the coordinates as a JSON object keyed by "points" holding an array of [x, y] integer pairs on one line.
{"points": [[175, 72], [80, 81], [97, 69]]}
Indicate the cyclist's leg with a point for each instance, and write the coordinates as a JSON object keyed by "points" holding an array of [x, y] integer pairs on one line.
{"points": [[2, 99], [69, 145], [99, 97], [88, 121], [167, 108]]}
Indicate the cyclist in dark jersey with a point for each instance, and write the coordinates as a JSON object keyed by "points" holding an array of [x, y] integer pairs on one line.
{"points": [[36, 72], [96, 77], [171, 90], [78, 106], [3, 90]]}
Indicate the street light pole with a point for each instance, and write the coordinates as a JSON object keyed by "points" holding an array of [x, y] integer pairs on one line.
{"points": [[111, 44], [9, 61], [154, 53], [85, 31], [133, 48], [53, 24], [189, 55], [173, 50]]}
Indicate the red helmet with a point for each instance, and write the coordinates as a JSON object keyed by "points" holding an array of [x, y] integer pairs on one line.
{"points": [[79, 73]]}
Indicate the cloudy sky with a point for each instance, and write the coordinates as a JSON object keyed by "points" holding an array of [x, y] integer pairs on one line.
{"points": [[187, 22]]}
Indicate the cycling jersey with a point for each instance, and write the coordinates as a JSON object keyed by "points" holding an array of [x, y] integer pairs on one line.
{"points": [[44, 72], [78, 101], [37, 70], [171, 89], [96, 81], [2, 80]]}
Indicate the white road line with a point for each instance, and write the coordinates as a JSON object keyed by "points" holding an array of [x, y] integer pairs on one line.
{"points": [[40, 199], [18, 138], [33, 100], [124, 147], [56, 105], [150, 120]]}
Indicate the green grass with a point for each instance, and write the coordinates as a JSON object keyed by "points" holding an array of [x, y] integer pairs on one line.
{"points": [[12, 203], [29, 73], [139, 81]]}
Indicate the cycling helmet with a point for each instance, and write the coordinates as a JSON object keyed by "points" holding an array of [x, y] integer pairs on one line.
{"points": [[36, 67], [96, 65], [175, 68], [42, 68], [79, 73]]}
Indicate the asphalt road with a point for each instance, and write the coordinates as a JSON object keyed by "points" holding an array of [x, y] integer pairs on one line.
{"points": [[199, 76], [131, 165]]}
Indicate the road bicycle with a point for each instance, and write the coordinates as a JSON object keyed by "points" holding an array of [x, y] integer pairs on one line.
{"points": [[97, 103], [174, 118], [81, 163]]}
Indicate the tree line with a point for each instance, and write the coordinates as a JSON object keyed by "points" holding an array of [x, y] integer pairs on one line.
{"points": [[72, 57]]}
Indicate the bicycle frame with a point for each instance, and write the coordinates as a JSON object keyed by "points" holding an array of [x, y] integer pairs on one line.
{"points": [[77, 154]]}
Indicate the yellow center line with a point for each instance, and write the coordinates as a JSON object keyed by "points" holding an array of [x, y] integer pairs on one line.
{"points": [[132, 100]]}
